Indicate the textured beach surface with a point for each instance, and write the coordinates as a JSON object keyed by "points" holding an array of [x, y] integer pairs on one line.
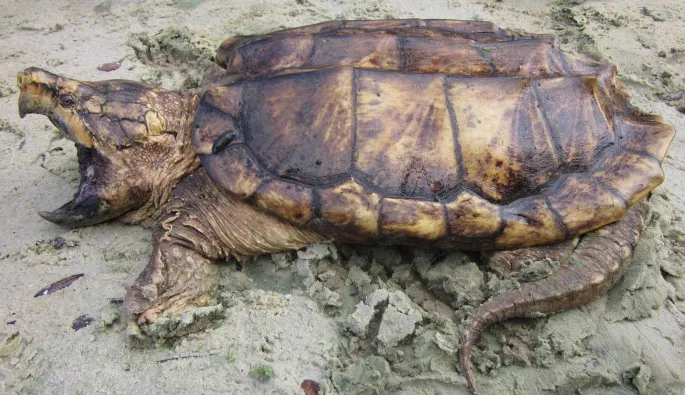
{"points": [[356, 320]]}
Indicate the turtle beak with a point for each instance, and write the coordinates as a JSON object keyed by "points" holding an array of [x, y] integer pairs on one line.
{"points": [[37, 95], [33, 98]]}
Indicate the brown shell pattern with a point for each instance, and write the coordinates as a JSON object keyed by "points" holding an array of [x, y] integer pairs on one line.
{"points": [[377, 131]]}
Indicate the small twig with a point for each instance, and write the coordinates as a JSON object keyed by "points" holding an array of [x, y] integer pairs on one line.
{"points": [[186, 357]]}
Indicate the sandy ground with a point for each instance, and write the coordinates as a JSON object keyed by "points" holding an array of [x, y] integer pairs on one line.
{"points": [[298, 315]]}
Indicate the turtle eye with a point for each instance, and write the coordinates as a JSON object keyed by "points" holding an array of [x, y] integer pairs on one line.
{"points": [[67, 100]]}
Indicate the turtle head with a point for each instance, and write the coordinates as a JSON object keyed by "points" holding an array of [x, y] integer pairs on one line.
{"points": [[132, 141]]}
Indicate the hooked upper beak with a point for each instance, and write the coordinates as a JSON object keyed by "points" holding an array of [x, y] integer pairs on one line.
{"points": [[37, 95], [33, 98]]}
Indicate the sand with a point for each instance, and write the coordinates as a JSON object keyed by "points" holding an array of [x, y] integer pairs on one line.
{"points": [[355, 320]]}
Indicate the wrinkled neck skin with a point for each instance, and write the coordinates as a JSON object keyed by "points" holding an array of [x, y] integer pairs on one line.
{"points": [[180, 160]]}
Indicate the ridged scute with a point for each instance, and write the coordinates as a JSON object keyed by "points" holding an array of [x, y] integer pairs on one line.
{"points": [[301, 125], [448, 134], [405, 142]]}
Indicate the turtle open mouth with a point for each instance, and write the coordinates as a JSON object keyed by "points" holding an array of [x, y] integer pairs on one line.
{"points": [[86, 208], [40, 93]]}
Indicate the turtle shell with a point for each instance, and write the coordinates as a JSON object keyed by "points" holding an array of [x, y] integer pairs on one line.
{"points": [[416, 140]]}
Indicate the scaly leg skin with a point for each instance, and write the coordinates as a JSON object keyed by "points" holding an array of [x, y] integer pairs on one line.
{"points": [[203, 224], [596, 264]]}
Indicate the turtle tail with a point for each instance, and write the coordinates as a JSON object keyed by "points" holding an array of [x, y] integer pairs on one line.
{"points": [[598, 262]]}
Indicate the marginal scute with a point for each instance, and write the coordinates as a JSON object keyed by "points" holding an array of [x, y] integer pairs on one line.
{"points": [[529, 222], [216, 115], [632, 174], [412, 219], [235, 170], [651, 137], [585, 204], [292, 202], [472, 216], [350, 207], [300, 125], [405, 142]]}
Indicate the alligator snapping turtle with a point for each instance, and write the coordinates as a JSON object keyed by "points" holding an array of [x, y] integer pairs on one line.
{"points": [[434, 133]]}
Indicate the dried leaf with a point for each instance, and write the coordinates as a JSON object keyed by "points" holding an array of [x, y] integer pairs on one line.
{"points": [[57, 285], [109, 66], [310, 387]]}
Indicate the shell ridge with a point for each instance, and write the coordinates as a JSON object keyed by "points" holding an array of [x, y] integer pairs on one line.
{"points": [[554, 138], [308, 60], [355, 109], [604, 104], [241, 114], [402, 50], [601, 159], [455, 139], [486, 57], [561, 59]]}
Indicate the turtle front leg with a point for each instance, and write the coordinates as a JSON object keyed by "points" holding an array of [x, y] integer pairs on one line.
{"points": [[203, 224], [587, 271], [177, 277], [181, 272]]}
